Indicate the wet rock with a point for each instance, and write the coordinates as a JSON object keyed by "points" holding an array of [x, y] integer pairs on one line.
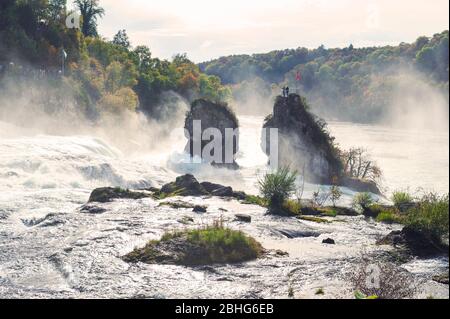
{"points": [[218, 190], [359, 185], [186, 185], [108, 194], [180, 250], [302, 136], [243, 218], [177, 205], [281, 253], [329, 241], [442, 278], [211, 187], [295, 233], [223, 192], [91, 209], [200, 209], [211, 115], [48, 220], [240, 195], [186, 220], [415, 243]]}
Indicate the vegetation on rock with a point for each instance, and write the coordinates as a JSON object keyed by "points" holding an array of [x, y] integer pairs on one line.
{"points": [[100, 75], [277, 187], [214, 244]]}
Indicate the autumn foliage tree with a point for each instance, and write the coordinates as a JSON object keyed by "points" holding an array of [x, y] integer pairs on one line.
{"points": [[358, 164]]}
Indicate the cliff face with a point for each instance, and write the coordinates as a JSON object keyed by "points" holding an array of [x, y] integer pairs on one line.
{"points": [[218, 117], [303, 143]]}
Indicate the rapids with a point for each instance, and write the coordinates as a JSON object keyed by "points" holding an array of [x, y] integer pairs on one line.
{"points": [[50, 249]]}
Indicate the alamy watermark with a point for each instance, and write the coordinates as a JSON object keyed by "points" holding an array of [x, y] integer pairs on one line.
{"points": [[212, 145], [73, 20]]}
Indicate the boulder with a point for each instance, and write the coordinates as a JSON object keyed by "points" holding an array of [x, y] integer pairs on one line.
{"points": [[303, 143], [218, 190], [240, 195], [329, 241], [200, 209], [415, 242], [108, 194], [442, 278], [359, 185], [243, 218], [186, 185], [213, 116], [91, 209]]}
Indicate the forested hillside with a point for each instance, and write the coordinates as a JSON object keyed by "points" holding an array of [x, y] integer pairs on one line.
{"points": [[38, 49], [350, 83]]}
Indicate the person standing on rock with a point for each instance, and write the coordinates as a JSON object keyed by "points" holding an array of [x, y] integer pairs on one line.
{"points": [[287, 91]]}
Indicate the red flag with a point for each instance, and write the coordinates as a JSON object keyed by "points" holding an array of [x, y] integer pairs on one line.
{"points": [[299, 76]]}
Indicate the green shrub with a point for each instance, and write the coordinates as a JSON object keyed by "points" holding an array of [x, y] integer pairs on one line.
{"points": [[336, 194], [388, 217], [430, 216], [224, 245], [330, 212], [203, 246], [400, 199], [277, 187], [255, 200], [362, 201], [292, 206]]}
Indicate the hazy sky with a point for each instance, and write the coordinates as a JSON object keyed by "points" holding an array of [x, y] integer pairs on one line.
{"points": [[206, 29]]}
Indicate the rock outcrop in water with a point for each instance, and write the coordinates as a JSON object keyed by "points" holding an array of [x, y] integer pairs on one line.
{"points": [[204, 246], [303, 143], [108, 194], [415, 243], [212, 116], [187, 185]]}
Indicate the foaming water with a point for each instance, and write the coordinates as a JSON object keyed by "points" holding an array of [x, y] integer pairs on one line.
{"points": [[50, 248]]}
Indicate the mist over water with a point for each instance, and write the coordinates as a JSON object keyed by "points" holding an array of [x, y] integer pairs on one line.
{"points": [[50, 163]]}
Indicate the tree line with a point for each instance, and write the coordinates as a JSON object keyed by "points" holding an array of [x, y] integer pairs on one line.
{"points": [[351, 83], [100, 74]]}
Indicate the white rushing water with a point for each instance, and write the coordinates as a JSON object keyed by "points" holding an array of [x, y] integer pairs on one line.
{"points": [[49, 248]]}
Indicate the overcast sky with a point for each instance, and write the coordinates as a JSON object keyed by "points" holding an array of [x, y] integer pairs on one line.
{"points": [[206, 29]]}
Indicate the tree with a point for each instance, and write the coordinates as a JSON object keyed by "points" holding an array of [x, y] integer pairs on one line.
{"points": [[357, 164], [57, 9], [121, 39], [143, 56], [90, 12], [426, 59]]}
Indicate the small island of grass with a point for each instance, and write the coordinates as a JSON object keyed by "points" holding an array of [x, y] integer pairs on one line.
{"points": [[214, 244]]}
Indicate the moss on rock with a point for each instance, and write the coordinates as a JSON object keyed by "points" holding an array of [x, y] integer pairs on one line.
{"points": [[204, 246]]}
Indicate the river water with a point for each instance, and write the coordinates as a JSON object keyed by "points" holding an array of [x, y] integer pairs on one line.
{"points": [[50, 249]]}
